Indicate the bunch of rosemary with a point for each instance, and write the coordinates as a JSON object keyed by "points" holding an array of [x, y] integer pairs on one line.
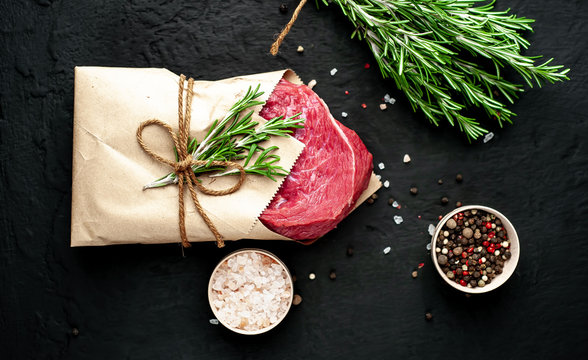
{"points": [[424, 44], [236, 137]]}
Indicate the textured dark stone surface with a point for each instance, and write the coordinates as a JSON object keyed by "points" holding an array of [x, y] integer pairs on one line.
{"points": [[146, 302]]}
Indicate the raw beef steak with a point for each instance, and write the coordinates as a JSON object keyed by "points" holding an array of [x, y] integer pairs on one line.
{"points": [[329, 176]]}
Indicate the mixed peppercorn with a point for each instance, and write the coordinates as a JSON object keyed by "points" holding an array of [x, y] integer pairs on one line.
{"points": [[472, 248]]}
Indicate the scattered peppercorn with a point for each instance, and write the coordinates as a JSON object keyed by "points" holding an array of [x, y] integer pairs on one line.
{"points": [[414, 190], [440, 181], [458, 204], [444, 200], [283, 8], [75, 332], [332, 275], [390, 201], [428, 316], [297, 300], [370, 201], [459, 178], [350, 251], [374, 196], [311, 276], [415, 274]]}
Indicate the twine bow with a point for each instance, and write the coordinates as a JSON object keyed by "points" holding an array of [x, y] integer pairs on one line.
{"points": [[183, 167]]}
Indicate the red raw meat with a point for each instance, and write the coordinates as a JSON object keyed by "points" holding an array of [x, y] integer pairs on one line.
{"points": [[329, 176]]}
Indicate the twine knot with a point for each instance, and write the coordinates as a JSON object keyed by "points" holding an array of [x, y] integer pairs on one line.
{"points": [[183, 167]]}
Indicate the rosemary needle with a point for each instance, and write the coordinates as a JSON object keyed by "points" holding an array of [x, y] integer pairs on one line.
{"points": [[423, 44], [237, 137]]}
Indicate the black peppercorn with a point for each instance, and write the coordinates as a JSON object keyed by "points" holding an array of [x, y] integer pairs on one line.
{"points": [[350, 251], [283, 8], [459, 178], [444, 200]]}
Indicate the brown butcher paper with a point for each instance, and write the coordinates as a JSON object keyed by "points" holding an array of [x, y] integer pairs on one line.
{"points": [[109, 205]]}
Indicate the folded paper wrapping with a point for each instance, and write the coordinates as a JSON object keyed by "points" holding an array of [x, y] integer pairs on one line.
{"points": [[110, 169]]}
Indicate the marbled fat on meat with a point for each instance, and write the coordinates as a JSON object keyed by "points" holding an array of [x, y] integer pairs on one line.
{"points": [[329, 176]]}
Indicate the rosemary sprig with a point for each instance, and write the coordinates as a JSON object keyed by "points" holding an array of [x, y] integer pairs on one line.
{"points": [[421, 44], [236, 137]]}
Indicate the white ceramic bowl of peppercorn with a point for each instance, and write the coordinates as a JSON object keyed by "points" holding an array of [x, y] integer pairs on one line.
{"points": [[475, 249]]}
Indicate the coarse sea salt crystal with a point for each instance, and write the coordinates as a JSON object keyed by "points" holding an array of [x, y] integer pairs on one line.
{"points": [[386, 183], [406, 158], [250, 291], [398, 219], [381, 166], [344, 114], [333, 71], [395, 204], [213, 321], [390, 100], [431, 229], [428, 247], [387, 250], [488, 137]]}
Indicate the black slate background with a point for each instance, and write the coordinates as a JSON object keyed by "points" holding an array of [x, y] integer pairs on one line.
{"points": [[147, 302]]}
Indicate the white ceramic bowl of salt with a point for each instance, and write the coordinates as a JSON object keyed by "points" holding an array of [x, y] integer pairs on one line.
{"points": [[250, 291], [509, 265]]}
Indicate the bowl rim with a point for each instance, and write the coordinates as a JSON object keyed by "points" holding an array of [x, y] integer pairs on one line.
{"points": [[262, 330], [512, 262]]}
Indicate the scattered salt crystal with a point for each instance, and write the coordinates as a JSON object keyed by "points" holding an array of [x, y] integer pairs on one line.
{"points": [[488, 137], [344, 114], [300, 49], [395, 204], [333, 71], [406, 158], [386, 183], [428, 247], [379, 176], [398, 219], [213, 321], [387, 250], [311, 83], [383, 107], [431, 229], [381, 166], [389, 100]]}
